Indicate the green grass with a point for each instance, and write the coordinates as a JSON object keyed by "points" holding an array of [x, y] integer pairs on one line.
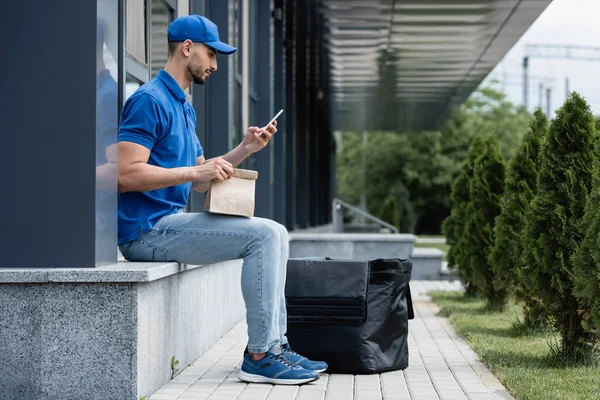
{"points": [[521, 360]]}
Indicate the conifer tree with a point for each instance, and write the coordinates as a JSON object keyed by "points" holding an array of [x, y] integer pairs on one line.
{"points": [[389, 211], [553, 229], [586, 260], [486, 190], [520, 188], [453, 226]]}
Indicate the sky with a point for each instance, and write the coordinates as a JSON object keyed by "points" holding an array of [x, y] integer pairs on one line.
{"points": [[564, 22]]}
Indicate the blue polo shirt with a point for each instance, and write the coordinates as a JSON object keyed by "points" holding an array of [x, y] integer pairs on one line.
{"points": [[158, 117]]}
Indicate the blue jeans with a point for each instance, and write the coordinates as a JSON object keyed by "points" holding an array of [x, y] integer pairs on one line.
{"points": [[204, 238]]}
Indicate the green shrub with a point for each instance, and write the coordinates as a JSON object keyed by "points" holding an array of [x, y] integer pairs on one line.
{"points": [[486, 190], [389, 211], [454, 225], [553, 229], [406, 211], [586, 261], [520, 188]]}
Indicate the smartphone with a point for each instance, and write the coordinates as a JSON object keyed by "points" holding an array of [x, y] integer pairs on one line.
{"points": [[272, 120]]}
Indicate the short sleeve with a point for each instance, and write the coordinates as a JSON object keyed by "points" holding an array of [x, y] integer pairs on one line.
{"points": [[141, 121]]}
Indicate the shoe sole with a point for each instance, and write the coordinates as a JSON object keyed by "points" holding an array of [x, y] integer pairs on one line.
{"points": [[252, 378]]}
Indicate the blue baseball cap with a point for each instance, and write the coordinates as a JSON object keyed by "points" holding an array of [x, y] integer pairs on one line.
{"points": [[198, 29]]}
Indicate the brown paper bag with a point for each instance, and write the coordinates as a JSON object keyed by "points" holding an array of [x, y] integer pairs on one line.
{"points": [[233, 196]]}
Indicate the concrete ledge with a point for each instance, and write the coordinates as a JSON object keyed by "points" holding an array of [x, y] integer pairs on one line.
{"points": [[448, 274], [428, 252], [357, 237], [427, 263], [110, 333], [351, 246], [123, 271]]}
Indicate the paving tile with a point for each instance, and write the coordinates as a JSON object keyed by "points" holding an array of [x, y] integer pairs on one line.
{"points": [[442, 366], [158, 396], [248, 396], [283, 393], [194, 396], [222, 397]]}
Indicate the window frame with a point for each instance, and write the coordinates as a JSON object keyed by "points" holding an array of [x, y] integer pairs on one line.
{"points": [[132, 66], [171, 6], [130, 58]]}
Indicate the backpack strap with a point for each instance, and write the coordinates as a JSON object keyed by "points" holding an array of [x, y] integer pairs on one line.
{"points": [[409, 303]]}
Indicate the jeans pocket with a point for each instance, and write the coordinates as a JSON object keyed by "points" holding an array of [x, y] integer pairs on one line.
{"points": [[125, 249], [141, 250], [165, 221]]}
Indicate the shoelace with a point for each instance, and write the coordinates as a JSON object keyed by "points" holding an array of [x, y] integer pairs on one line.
{"points": [[281, 359], [290, 351]]}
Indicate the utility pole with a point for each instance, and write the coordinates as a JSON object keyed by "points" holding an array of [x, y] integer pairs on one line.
{"points": [[548, 101], [541, 95], [557, 51], [526, 82]]}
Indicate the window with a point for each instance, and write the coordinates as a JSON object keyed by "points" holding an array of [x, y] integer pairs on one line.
{"points": [[136, 31], [146, 38], [183, 7], [160, 20]]}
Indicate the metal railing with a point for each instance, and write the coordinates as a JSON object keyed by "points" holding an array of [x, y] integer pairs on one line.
{"points": [[337, 213]]}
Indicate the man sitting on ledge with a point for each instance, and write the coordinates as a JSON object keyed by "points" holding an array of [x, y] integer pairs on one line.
{"points": [[160, 159]]}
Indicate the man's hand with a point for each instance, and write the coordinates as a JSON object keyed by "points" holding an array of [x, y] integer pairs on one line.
{"points": [[216, 169], [221, 168], [256, 138]]}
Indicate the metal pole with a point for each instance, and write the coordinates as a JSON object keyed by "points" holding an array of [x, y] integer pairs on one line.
{"points": [[548, 101], [525, 82], [363, 177], [541, 99], [337, 216], [567, 87]]}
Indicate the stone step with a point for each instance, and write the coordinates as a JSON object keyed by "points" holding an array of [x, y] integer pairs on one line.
{"points": [[427, 263], [351, 246], [71, 331]]}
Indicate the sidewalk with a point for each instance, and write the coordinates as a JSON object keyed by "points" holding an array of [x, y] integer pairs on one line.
{"points": [[441, 366]]}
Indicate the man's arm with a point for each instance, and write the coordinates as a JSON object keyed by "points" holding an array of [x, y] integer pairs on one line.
{"points": [[237, 155], [254, 140], [200, 186], [234, 157], [136, 175]]}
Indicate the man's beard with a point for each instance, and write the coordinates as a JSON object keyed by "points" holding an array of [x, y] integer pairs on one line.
{"points": [[198, 80]]}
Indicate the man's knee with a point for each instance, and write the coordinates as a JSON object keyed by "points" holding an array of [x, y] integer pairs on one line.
{"points": [[282, 229], [266, 229]]}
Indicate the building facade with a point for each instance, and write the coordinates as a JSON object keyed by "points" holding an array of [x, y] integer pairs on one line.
{"points": [[70, 66]]}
